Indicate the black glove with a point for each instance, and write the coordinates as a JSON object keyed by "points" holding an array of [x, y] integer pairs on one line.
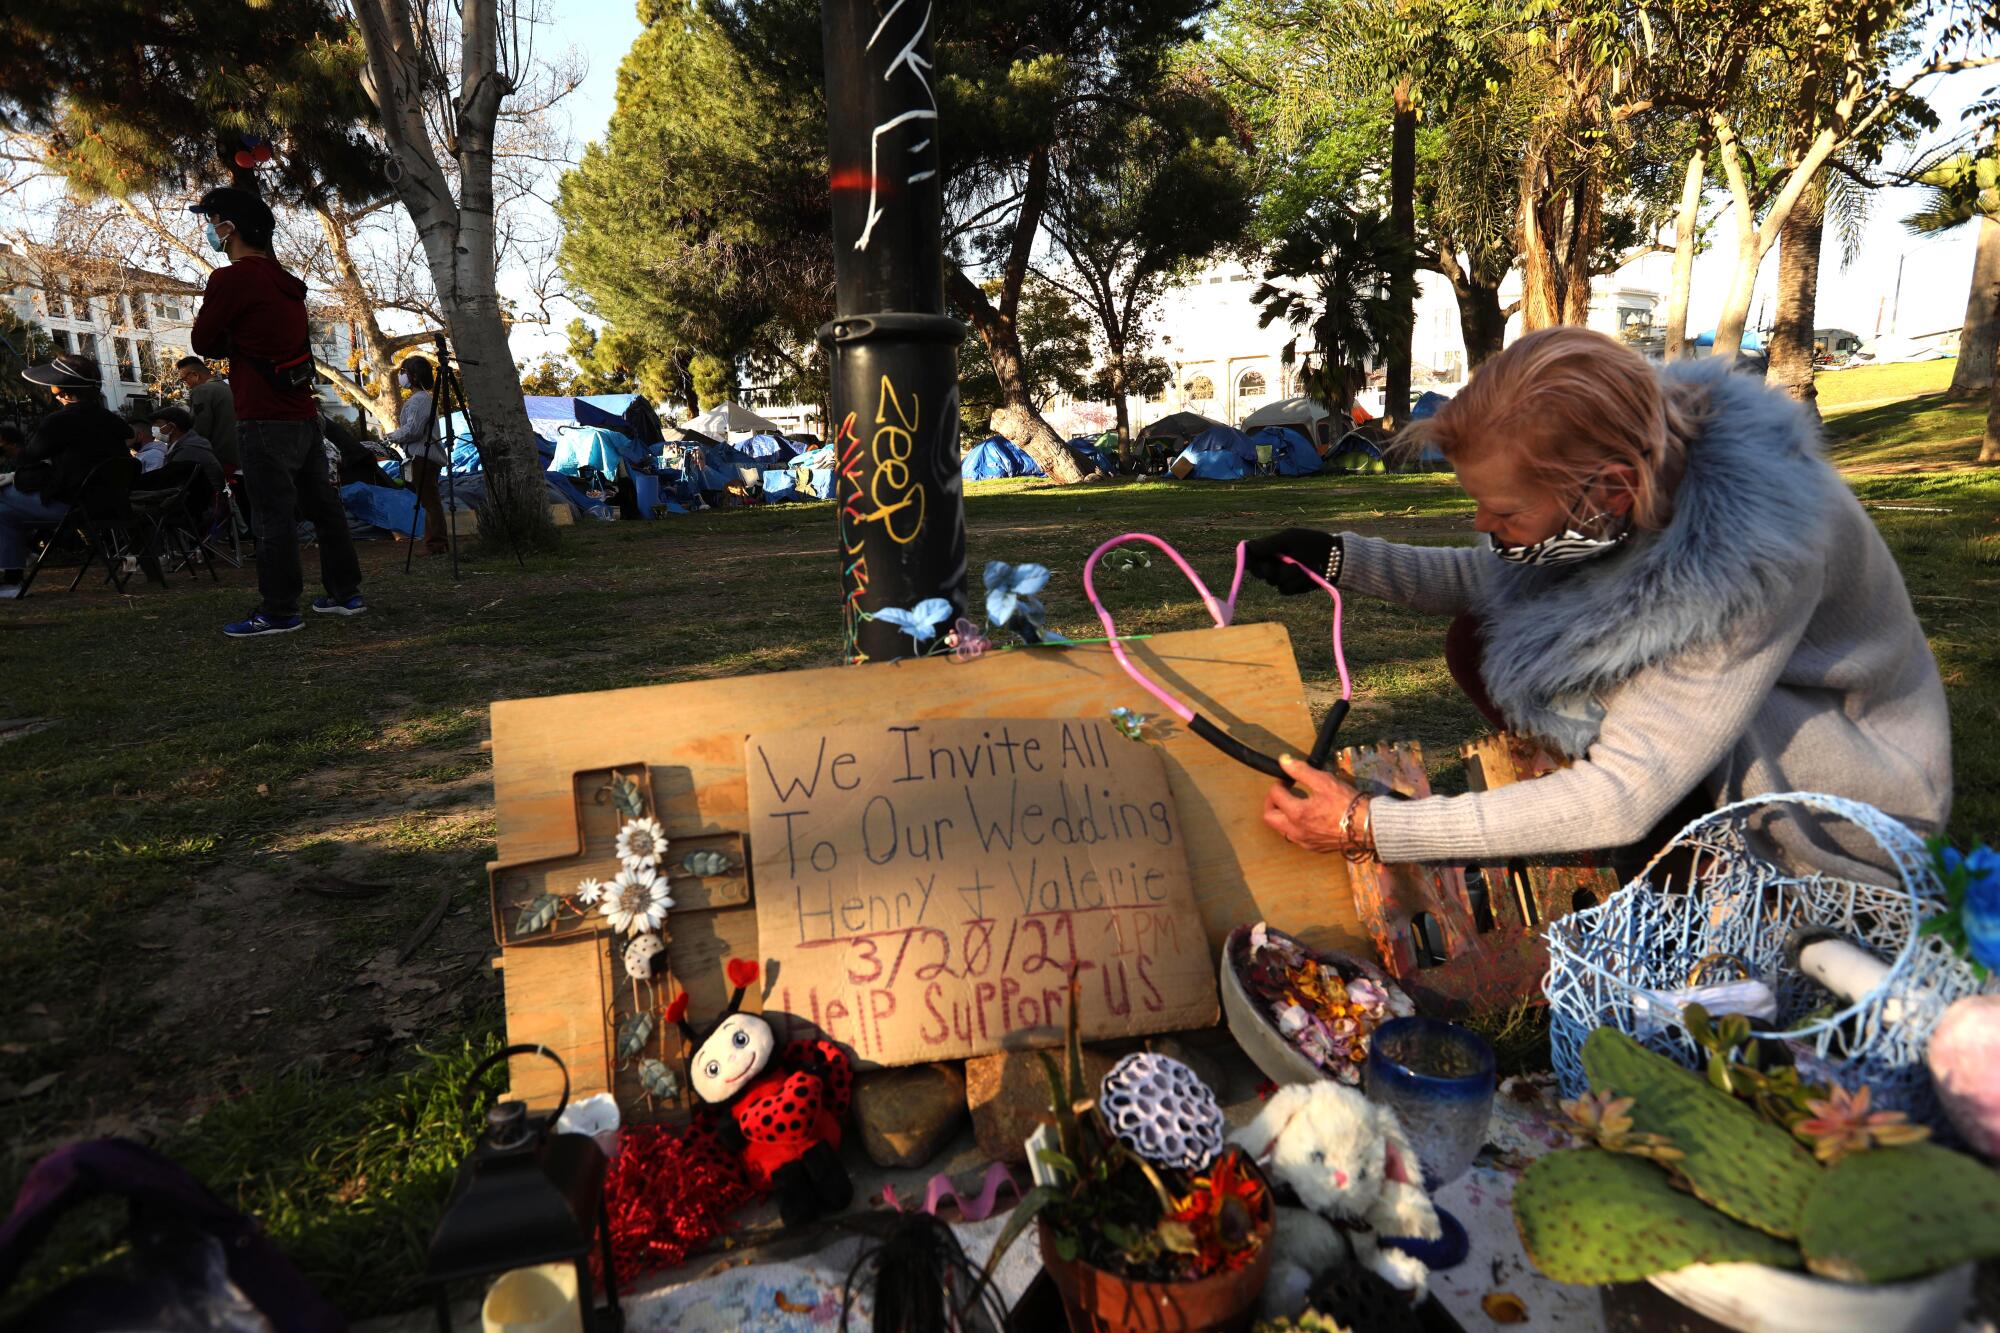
{"points": [[1265, 558]]}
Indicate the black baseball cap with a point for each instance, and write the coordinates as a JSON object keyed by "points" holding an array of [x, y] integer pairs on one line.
{"points": [[251, 216], [175, 415]]}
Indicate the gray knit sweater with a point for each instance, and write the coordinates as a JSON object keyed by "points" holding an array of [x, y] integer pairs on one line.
{"points": [[1763, 642]]}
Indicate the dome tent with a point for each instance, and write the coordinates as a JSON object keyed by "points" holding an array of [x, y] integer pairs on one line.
{"points": [[996, 457], [1292, 454], [1225, 439]]}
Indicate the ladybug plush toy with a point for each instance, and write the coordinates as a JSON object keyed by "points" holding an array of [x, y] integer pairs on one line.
{"points": [[779, 1110]]}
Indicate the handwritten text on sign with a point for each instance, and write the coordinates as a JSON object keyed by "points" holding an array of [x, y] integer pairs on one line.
{"points": [[924, 889]]}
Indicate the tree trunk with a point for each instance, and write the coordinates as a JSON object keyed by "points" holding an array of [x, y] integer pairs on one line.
{"points": [[379, 403], [1736, 304], [1687, 221], [1541, 291], [1481, 322], [458, 239], [1979, 342], [1017, 417], [1402, 275], [1119, 382], [1586, 228], [1989, 448], [1791, 345]]}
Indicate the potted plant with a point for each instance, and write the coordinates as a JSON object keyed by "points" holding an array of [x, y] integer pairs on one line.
{"points": [[1760, 1200], [1144, 1217]]}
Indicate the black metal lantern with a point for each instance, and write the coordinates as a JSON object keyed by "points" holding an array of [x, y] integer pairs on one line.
{"points": [[526, 1196]]}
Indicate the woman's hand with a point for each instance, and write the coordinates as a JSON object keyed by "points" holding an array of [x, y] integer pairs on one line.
{"points": [[1264, 558], [1332, 816]]}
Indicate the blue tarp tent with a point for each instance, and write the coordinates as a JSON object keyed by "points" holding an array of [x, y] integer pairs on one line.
{"points": [[1292, 454], [599, 447], [1225, 439], [548, 415], [715, 467], [1214, 464], [1753, 341], [822, 457], [1090, 455], [998, 457], [799, 483], [769, 450], [1427, 404]]}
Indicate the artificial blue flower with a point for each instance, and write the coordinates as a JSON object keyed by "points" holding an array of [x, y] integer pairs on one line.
{"points": [[921, 621], [1010, 591], [1979, 913]]}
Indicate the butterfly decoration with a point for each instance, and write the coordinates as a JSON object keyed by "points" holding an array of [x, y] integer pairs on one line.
{"points": [[966, 641], [1130, 725], [921, 621], [1010, 594]]}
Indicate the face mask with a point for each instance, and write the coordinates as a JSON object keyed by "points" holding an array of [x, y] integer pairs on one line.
{"points": [[215, 241], [1567, 548], [403, 379]]}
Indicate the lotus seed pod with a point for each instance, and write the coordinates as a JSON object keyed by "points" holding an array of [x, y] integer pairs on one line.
{"points": [[1158, 1108]]}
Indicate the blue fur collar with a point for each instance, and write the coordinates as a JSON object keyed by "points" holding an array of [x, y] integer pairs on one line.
{"points": [[1747, 517]]}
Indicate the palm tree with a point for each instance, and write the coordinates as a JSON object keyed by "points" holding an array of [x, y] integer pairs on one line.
{"points": [[1332, 272], [1962, 188]]}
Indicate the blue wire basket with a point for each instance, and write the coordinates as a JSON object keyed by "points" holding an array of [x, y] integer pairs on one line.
{"points": [[1618, 963]]}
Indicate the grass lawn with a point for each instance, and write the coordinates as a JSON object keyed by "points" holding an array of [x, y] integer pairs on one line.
{"points": [[215, 857], [1839, 389]]}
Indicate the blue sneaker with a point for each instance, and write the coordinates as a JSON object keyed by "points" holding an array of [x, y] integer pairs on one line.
{"points": [[353, 606], [262, 624]]}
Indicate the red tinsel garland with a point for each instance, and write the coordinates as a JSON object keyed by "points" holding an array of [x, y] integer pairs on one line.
{"points": [[667, 1194]]}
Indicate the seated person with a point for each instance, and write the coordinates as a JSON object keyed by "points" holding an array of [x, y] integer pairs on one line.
{"points": [[151, 453], [184, 449], [65, 451], [12, 440]]}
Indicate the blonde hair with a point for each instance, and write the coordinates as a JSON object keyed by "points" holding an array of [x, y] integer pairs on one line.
{"points": [[1567, 402]]}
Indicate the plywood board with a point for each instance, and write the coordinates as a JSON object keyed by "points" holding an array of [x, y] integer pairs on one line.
{"points": [[1245, 678]]}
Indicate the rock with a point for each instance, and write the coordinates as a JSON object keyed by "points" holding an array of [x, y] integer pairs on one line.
{"points": [[906, 1115], [1009, 1095]]}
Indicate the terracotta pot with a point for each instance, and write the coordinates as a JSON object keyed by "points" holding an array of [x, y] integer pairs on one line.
{"points": [[1095, 1301]]}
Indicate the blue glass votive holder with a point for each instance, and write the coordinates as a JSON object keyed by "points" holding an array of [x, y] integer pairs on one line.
{"points": [[1438, 1079]]}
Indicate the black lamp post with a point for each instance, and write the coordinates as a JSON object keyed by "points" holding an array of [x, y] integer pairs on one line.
{"points": [[526, 1196], [893, 415]]}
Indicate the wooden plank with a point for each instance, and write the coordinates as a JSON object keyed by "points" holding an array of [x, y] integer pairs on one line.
{"points": [[1244, 678], [558, 995]]}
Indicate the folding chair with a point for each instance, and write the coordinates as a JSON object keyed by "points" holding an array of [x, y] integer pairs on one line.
{"points": [[225, 526], [97, 520], [174, 521]]}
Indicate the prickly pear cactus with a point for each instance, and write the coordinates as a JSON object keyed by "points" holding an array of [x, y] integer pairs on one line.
{"points": [[1893, 1213], [1735, 1161], [1588, 1216]]}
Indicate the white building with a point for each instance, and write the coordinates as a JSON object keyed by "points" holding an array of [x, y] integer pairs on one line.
{"points": [[135, 332], [1226, 367]]}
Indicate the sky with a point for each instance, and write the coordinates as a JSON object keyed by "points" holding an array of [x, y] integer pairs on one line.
{"points": [[1864, 298]]}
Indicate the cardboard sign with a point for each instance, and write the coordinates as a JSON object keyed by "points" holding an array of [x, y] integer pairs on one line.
{"points": [[924, 888]]}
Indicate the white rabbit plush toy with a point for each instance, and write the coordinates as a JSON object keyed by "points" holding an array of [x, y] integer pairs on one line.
{"points": [[1354, 1173]]}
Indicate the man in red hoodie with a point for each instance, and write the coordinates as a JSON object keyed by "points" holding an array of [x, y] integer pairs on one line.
{"points": [[254, 313]]}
